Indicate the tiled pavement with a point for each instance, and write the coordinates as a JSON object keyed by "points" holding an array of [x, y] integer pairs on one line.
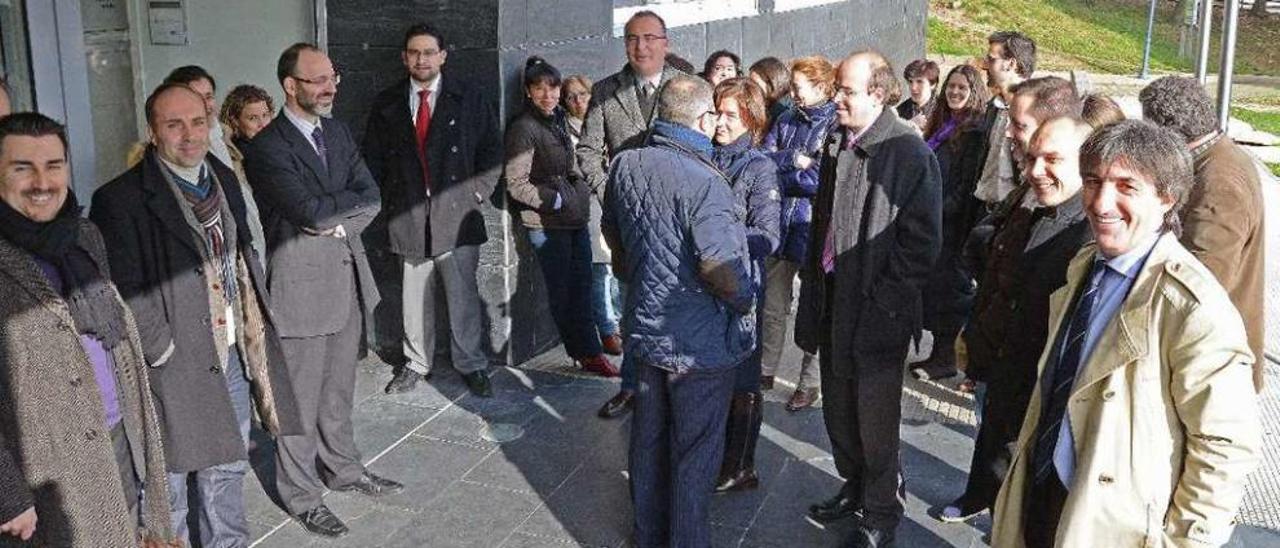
{"points": [[560, 479]]}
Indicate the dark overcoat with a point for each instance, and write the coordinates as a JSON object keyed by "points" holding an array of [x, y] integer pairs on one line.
{"points": [[464, 157], [882, 199], [157, 263], [948, 296], [55, 451]]}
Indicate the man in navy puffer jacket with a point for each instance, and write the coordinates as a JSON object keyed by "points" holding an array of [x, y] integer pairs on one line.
{"points": [[669, 220]]}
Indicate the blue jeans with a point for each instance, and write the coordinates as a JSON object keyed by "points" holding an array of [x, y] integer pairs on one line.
{"points": [[604, 299], [220, 488], [677, 443], [565, 258]]}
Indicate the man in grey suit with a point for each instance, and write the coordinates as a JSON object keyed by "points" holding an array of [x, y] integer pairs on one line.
{"points": [[618, 118], [317, 197]]}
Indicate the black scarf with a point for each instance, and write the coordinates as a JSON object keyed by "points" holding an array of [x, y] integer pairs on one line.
{"points": [[88, 294]]}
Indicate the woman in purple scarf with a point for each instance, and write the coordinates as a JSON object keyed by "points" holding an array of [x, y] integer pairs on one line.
{"points": [[955, 131]]}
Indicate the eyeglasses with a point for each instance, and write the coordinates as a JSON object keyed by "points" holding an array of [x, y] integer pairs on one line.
{"points": [[632, 39], [421, 53], [335, 78]]}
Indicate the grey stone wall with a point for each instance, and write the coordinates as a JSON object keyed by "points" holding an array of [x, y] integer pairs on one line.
{"points": [[489, 41]]}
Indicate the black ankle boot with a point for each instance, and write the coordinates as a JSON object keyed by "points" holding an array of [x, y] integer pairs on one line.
{"points": [[738, 472]]}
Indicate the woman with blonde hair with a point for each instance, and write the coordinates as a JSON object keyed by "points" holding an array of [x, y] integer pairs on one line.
{"points": [[793, 144]]}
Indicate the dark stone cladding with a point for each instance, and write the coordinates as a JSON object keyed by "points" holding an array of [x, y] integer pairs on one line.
{"points": [[488, 42]]}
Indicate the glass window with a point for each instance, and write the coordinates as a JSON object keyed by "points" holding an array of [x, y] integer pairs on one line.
{"points": [[15, 54]]}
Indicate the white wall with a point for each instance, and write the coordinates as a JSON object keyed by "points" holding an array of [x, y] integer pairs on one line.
{"points": [[237, 41]]}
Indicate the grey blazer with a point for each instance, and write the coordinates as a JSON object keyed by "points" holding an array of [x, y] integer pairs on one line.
{"points": [[614, 123], [310, 277]]}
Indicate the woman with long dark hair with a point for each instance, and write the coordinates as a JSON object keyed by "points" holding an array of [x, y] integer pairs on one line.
{"points": [[552, 203], [955, 132], [774, 79], [740, 125]]}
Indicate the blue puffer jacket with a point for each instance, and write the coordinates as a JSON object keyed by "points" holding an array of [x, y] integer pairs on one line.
{"points": [[798, 131], [754, 180], [669, 217]]}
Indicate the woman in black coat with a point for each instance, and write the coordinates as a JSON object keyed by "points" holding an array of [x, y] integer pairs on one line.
{"points": [[553, 205], [955, 132]]}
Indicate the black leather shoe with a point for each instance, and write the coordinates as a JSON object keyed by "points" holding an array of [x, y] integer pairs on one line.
{"points": [[405, 380], [618, 405], [321, 521], [870, 537], [478, 383], [833, 509], [372, 486]]}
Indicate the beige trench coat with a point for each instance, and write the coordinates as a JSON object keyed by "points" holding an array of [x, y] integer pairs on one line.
{"points": [[1164, 416]]}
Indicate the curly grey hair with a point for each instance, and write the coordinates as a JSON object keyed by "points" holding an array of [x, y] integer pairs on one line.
{"points": [[1180, 104]]}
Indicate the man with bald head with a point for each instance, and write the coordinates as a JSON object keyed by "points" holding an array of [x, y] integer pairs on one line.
{"points": [[317, 197], [669, 219], [180, 253], [1009, 325], [877, 226]]}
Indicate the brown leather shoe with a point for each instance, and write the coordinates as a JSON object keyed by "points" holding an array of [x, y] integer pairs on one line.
{"points": [[802, 398], [612, 345]]}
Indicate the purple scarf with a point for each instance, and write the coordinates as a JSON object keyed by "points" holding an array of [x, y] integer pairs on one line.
{"points": [[943, 133]]}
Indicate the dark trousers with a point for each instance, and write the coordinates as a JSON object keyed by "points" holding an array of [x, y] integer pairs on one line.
{"points": [[677, 442], [629, 370], [1044, 508], [565, 258], [862, 413], [1004, 408], [323, 372]]}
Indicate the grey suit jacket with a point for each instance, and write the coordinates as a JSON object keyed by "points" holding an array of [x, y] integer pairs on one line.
{"points": [[310, 277], [614, 123]]}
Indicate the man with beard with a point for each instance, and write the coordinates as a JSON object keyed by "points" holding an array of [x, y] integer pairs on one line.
{"points": [[317, 198], [433, 144]]}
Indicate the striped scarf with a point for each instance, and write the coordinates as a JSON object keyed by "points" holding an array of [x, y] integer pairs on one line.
{"points": [[205, 199]]}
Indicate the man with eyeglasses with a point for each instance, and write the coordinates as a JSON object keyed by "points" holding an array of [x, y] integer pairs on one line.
{"points": [[317, 197], [619, 118], [433, 145], [876, 232]]}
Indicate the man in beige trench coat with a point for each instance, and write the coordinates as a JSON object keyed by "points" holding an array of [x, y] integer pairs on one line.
{"points": [[1144, 424]]}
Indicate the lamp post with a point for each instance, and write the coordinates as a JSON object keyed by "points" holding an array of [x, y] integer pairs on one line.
{"points": [[1230, 18], [1206, 25], [1146, 48]]}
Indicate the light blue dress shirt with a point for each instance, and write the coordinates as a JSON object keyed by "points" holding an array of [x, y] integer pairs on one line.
{"points": [[1118, 274]]}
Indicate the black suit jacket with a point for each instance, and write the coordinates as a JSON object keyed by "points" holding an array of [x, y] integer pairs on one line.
{"points": [[464, 157], [299, 195], [157, 265]]}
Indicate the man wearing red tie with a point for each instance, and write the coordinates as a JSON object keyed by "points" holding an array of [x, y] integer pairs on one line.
{"points": [[434, 146]]}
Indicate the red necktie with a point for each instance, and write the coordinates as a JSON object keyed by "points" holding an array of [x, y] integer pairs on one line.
{"points": [[420, 127]]}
